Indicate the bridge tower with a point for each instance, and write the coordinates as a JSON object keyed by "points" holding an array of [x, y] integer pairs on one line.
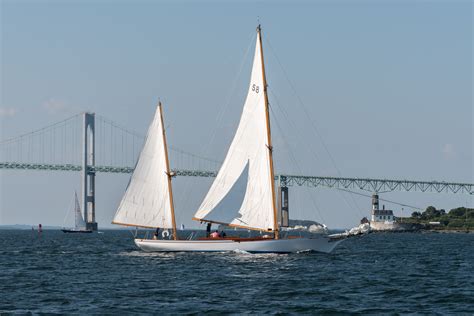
{"points": [[88, 175], [282, 200]]}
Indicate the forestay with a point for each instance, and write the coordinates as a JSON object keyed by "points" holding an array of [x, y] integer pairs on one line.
{"points": [[249, 147], [147, 201]]}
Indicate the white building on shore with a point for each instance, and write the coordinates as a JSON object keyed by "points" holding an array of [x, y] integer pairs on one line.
{"points": [[382, 219]]}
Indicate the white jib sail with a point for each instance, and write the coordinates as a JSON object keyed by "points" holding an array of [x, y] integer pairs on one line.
{"points": [[78, 218], [247, 158], [146, 201]]}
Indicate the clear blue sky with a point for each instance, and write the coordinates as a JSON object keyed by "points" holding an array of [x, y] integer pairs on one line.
{"points": [[388, 84]]}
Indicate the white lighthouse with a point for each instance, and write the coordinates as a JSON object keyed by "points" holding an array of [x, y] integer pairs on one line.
{"points": [[381, 219]]}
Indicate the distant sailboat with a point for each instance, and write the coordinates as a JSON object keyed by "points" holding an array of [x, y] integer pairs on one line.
{"points": [[148, 201], [79, 223]]}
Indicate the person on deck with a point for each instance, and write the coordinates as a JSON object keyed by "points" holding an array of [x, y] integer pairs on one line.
{"points": [[156, 234], [208, 229], [215, 234], [223, 234]]}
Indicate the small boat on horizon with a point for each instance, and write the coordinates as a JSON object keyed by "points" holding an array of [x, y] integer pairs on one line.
{"points": [[79, 223]]}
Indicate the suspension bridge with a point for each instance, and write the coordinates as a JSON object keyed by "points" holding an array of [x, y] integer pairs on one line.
{"points": [[92, 144]]}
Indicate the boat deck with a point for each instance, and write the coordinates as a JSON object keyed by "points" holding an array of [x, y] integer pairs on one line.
{"points": [[236, 238]]}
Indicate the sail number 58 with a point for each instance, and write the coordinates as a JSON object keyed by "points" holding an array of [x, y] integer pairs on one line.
{"points": [[255, 88]]}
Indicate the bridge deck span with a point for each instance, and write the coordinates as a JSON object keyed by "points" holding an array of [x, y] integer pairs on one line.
{"points": [[367, 184]]}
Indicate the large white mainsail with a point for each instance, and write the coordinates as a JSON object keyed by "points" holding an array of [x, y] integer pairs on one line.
{"points": [[249, 157], [147, 201]]}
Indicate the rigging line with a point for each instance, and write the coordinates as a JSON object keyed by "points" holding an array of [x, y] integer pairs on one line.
{"points": [[313, 124], [311, 149], [112, 154], [385, 200], [71, 202], [223, 110], [313, 201], [293, 125], [142, 137], [292, 157], [192, 155], [38, 130], [66, 144], [61, 143], [128, 159]]}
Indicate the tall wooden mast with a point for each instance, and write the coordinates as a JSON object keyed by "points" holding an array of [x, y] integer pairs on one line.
{"points": [[168, 173], [269, 137]]}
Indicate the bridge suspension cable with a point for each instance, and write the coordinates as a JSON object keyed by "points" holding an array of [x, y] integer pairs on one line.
{"points": [[60, 144]]}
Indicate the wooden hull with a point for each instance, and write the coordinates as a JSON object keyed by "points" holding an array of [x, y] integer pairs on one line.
{"points": [[318, 243]]}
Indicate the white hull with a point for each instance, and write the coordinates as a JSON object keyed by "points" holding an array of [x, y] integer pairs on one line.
{"points": [[318, 243]]}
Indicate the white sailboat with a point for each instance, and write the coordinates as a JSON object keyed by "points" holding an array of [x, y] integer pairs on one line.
{"points": [[148, 201], [79, 223]]}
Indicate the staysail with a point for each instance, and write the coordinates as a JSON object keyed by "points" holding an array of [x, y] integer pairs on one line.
{"points": [[78, 218], [248, 161], [147, 201]]}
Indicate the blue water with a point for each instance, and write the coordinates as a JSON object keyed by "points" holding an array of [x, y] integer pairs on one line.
{"points": [[105, 273]]}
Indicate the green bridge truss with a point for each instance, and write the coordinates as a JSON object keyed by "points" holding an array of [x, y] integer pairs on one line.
{"points": [[372, 185]]}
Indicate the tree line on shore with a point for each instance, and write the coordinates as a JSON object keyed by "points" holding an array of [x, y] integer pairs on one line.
{"points": [[456, 218]]}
